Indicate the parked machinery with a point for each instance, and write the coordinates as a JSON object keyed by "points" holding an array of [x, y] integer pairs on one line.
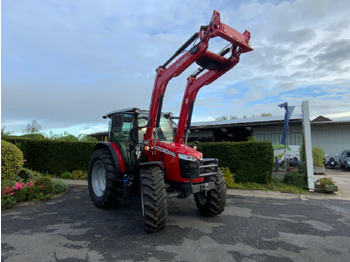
{"points": [[144, 156]]}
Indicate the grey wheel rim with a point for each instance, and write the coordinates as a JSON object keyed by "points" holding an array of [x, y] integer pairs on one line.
{"points": [[98, 179]]}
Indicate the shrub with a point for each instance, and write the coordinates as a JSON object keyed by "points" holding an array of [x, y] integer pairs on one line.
{"points": [[228, 176], [295, 179], [7, 183], [11, 160], [54, 157], [66, 175], [45, 185], [32, 192], [251, 139], [326, 181], [14, 192], [317, 156], [249, 161], [41, 196], [27, 174], [21, 195], [7, 201], [79, 174], [59, 187]]}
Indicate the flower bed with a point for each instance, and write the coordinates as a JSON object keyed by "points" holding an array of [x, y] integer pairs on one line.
{"points": [[40, 190]]}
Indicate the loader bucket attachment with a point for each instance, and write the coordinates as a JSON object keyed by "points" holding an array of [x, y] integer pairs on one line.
{"points": [[216, 28], [215, 65]]}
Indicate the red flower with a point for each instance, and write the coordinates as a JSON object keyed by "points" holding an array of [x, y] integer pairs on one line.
{"points": [[18, 186]]}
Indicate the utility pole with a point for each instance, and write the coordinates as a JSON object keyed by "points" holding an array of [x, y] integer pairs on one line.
{"points": [[308, 145]]}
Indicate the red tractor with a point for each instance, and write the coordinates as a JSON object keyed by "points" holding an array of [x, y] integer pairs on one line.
{"points": [[144, 157]]}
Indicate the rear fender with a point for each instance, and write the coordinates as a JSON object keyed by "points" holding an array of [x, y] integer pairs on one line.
{"points": [[116, 154], [153, 163]]}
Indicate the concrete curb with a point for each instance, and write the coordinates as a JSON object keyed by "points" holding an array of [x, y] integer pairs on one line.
{"points": [[250, 193], [72, 182], [280, 195]]}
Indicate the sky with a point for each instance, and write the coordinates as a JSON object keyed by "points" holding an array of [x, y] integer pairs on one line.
{"points": [[66, 63]]}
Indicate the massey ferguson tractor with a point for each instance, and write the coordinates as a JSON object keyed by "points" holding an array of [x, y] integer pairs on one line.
{"points": [[145, 157]]}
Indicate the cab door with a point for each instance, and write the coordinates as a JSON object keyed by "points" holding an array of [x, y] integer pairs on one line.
{"points": [[120, 133]]}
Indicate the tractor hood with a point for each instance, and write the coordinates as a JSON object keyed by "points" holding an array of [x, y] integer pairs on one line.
{"points": [[177, 148]]}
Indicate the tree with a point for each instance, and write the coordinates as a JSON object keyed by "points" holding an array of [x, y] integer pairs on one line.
{"points": [[32, 128], [226, 117], [5, 133], [63, 137], [263, 114], [87, 138]]}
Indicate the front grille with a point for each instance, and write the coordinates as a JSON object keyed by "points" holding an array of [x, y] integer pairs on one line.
{"points": [[189, 168], [195, 169], [208, 167]]}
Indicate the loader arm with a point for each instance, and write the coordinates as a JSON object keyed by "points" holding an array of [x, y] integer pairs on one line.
{"points": [[216, 64], [191, 91]]}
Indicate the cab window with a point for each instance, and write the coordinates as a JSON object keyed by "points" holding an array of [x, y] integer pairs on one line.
{"points": [[126, 128]]}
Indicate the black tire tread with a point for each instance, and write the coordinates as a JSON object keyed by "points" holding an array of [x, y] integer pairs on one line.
{"points": [[154, 198], [216, 198]]}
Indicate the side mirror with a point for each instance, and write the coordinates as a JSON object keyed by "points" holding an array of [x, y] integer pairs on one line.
{"points": [[142, 122], [117, 123]]}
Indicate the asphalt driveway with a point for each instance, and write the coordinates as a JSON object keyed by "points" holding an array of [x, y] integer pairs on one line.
{"points": [[70, 228]]}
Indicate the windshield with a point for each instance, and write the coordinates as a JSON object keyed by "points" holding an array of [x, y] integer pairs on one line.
{"points": [[165, 131]]}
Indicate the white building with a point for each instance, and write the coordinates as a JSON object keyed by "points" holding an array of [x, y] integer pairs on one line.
{"points": [[332, 136]]}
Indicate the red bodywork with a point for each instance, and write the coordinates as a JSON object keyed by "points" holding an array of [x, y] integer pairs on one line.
{"points": [[167, 152]]}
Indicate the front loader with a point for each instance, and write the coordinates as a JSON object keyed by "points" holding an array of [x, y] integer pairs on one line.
{"points": [[144, 156]]}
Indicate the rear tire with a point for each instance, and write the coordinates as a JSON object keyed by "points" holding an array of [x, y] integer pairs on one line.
{"points": [[153, 198], [102, 179], [214, 203]]}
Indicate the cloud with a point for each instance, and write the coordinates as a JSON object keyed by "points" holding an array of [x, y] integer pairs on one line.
{"points": [[335, 56], [66, 63]]}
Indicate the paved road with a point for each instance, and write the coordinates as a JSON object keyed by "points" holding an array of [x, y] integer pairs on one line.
{"points": [[70, 228]]}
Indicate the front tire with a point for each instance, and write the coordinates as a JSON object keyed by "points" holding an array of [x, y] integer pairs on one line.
{"points": [[153, 198], [102, 179], [214, 202]]}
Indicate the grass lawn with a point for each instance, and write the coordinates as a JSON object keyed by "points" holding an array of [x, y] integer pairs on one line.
{"points": [[273, 186]]}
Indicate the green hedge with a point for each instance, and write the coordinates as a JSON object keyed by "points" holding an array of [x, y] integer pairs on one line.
{"points": [[54, 157], [249, 161]]}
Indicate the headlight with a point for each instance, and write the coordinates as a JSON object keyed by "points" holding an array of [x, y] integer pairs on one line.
{"points": [[187, 157]]}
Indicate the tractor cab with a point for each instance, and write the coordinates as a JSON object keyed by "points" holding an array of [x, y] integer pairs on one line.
{"points": [[127, 128]]}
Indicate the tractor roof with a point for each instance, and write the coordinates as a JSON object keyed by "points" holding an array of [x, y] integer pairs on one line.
{"points": [[130, 110], [125, 110]]}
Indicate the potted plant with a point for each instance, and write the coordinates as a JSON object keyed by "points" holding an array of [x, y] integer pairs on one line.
{"points": [[326, 184], [317, 156]]}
